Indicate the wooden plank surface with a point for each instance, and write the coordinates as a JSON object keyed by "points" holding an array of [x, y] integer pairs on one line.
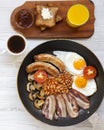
{"points": [[61, 30]]}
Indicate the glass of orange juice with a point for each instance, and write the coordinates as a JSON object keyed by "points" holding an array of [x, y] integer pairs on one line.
{"points": [[77, 15]]}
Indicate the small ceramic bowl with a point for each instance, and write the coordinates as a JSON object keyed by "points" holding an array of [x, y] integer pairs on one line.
{"points": [[24, 18]]}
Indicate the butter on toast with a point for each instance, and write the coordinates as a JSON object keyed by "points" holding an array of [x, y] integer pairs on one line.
{"points": [[58, 19], [43, 22]]}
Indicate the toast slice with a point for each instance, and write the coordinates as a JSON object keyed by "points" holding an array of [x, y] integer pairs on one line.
{"points": [[50, 21], [58, 19]]}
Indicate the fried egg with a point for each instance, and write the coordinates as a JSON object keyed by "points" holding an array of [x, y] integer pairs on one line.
{"points": [[74, 62], [84, 86]]}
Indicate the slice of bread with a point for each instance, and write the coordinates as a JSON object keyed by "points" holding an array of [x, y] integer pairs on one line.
{"points": [[58, 19], [40, 21]]}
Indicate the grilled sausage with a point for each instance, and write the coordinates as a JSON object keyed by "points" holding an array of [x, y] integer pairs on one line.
{"points": [[51, 59], [42, 66]]}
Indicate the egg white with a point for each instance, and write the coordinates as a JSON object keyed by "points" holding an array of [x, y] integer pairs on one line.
{"points": [[69, 61], [68, 58], [61, 54], [88, 90]]}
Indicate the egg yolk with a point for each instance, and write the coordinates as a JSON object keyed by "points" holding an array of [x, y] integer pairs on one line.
{"points": [[80, 82], [79, 64]]}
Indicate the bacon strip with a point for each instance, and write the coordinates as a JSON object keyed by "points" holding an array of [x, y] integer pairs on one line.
{"points": [[81, 99], [60, 107], [71, 105], [49, 107]]}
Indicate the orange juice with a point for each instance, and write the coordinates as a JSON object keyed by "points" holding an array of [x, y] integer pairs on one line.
{"points": [[77, 15]]}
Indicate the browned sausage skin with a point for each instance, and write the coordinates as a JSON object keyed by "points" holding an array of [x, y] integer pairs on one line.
{"points": [[51, 59], [42, 66]]}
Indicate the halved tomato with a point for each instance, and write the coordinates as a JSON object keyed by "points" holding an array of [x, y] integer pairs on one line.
{"points": [[40, 76], [90, 72]]}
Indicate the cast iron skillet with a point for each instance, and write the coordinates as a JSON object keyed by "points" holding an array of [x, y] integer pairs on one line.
{"points": [[62, 45]]}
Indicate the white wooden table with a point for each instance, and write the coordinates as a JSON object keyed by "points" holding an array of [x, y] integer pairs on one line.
{"points": [[13, 115]]}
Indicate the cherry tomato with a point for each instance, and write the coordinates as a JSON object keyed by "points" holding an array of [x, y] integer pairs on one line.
{"points": [[90, 72], [40, 76]]}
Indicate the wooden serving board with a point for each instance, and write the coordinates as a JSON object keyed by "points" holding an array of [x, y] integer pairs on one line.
{"points": [[61, 30]]}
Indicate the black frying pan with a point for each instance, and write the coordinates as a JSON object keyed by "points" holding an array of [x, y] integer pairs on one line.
{"points": [[63, 45]]}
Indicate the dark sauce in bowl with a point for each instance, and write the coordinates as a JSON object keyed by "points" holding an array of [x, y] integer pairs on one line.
{"points": [[16, 44], [24, 18]]}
